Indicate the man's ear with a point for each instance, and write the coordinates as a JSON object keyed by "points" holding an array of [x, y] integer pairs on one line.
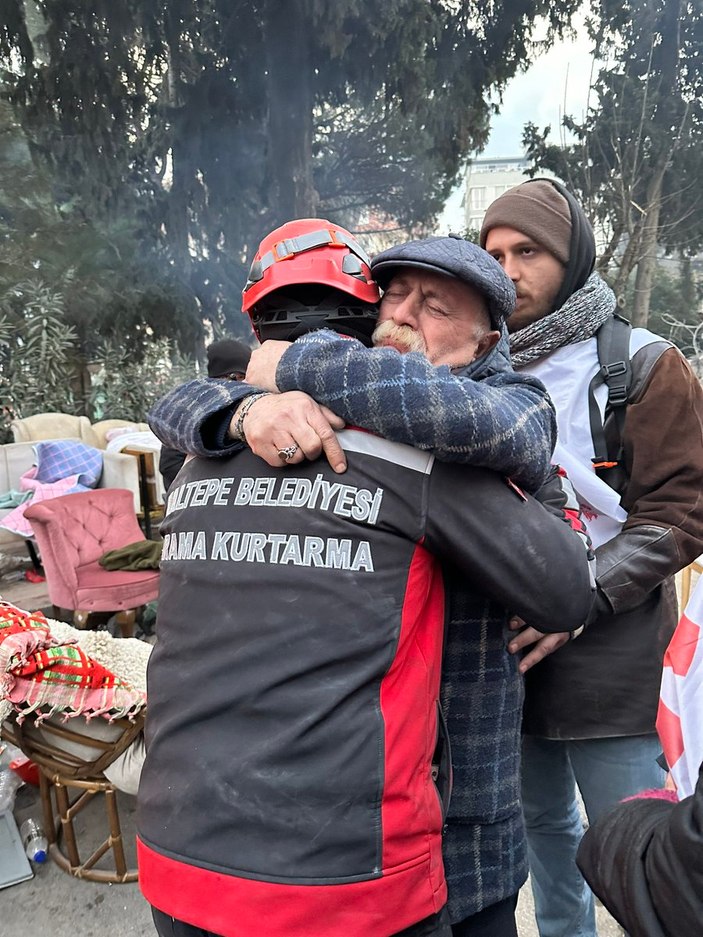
{"points": [[486, 343]]}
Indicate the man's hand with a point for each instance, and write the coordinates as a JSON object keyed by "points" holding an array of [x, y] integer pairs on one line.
{"points": [[292, 421], [261, 371], [544, 644]]}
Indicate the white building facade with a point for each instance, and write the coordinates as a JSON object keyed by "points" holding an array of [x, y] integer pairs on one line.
{"points": [[486, 179]]}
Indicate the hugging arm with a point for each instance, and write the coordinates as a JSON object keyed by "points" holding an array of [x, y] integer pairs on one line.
{"points": [[504, 422], [558, 497], [509, 546], [195, 417]]}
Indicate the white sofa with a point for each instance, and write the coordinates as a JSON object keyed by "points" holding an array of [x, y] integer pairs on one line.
{"points": [[119, 471], [66, 426]]}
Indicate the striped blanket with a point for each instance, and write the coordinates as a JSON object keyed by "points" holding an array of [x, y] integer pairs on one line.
{"points": [[41, 674]]}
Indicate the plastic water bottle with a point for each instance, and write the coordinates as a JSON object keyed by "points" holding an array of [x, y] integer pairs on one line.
{"points": [[33, 840], [9, 782]]}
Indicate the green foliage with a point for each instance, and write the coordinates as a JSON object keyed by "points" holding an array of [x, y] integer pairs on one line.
{"points": [[207, 122], [124, 388], [676, 300], [38, 364], [36, 354], [472, 234], [114, 279], [638, 157], [68, 286], [675, 311]]}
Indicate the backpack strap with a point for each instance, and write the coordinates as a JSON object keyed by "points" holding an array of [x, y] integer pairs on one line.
{"points": [[615, 370]]}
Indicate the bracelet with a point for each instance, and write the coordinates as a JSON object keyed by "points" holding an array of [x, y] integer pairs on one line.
{"points": [[238, 432]]}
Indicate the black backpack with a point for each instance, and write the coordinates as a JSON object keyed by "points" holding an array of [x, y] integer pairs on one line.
{"points": [[613, 339]]}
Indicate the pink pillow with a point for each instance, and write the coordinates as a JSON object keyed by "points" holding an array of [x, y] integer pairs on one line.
{"points": [[119, 431]]}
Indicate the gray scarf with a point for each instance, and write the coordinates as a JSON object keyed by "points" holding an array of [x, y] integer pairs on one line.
{"points": [[578, 319]]}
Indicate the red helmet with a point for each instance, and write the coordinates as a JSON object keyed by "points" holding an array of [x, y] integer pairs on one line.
{"points": [[309, 250]]}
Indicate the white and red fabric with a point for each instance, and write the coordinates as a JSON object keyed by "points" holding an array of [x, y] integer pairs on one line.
{"points": [[567, 373], [680, 716]]}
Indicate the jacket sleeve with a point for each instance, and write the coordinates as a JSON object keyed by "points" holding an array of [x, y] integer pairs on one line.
{"points": [[512, 550], [195, 417], [663, 439], [644, 860], [557, 496], [504, 422]]}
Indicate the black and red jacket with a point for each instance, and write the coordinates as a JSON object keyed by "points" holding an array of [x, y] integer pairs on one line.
{"points": [[294, 779]]}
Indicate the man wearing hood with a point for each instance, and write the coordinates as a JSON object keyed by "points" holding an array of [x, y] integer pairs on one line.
{"points": [[590, 711]]}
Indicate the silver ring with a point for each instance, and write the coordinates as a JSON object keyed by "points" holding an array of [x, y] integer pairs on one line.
{"points": [[287, 453]]}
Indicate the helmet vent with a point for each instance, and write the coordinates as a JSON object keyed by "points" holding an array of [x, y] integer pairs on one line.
{"points": [[352, 265], [255, 273]]}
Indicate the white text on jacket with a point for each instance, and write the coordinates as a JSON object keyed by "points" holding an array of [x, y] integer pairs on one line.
{"points": [[360, 504]]}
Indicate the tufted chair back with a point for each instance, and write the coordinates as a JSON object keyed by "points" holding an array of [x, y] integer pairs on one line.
{"points": [[74, 531]]}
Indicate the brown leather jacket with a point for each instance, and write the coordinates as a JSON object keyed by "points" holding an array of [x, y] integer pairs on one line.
{"points": [[606, 683]]}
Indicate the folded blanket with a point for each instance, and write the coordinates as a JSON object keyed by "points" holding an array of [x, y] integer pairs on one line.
{"points": [[41, 674], [64, 458], [15, 521], [144, 554], [140, 439], [63, 466], [11, 499]]}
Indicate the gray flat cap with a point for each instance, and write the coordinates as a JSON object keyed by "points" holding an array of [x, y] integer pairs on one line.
{"points": [[454, 257]]}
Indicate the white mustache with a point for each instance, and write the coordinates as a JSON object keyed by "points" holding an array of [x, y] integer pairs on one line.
{"points": [[400, 335]]}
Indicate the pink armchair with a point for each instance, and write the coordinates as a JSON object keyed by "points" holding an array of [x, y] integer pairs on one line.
{"points": [[73, 532]]}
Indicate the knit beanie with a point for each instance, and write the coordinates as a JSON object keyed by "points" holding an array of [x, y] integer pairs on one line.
{"points": [[536, 209]]}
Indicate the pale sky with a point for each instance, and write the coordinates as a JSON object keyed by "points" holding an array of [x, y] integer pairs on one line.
{"points": [[557, 83]]}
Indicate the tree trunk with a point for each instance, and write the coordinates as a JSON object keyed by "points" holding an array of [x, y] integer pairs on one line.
{"points": [[177, 204], [606, 257], [628, 261], [687, 285], [80, 382], [648, 250], [290, 117], [666, 60], [35, 22]]}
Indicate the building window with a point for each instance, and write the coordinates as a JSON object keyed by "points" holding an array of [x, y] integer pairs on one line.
{"points": [[478, 197]]}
